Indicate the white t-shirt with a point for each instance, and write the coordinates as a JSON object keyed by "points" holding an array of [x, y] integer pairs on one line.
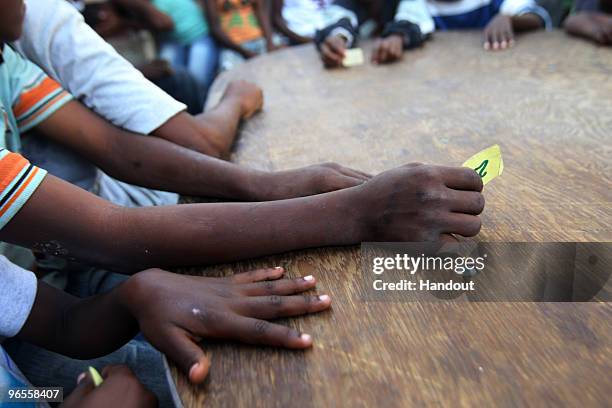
{"points": [[17, 294], [58, 40], [305, 17]]}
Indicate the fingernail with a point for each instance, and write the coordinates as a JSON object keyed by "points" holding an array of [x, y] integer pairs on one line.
{"points": [[308, 278], [324, 298], [193, 368], [81, 377], [306, 337]]}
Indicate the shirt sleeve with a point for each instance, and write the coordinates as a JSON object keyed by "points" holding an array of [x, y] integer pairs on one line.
{"points": [[17, 295], [416, 12], [34, 95], [334, 14], [520, 7], [56, 38], [18, 181]]}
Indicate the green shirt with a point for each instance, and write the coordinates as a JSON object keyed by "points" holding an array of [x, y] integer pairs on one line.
{"points": [[188, 17]]}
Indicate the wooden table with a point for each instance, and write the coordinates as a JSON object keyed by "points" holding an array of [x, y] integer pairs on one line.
{"points": [[548, 103]]}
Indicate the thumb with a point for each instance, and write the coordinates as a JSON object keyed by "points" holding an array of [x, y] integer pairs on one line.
{"points": [[84, 386], [188, 355]]}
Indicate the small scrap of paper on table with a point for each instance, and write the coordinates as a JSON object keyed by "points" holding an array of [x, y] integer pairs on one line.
{"points": [[353, 57], [487, 163]]}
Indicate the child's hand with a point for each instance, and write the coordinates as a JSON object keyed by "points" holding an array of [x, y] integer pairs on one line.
{"points": [[499, 34], [249, 95], [305, 181], [594, 26], [120, 388], [418, 203], [332, 51], [175, 311], [388, 49]]}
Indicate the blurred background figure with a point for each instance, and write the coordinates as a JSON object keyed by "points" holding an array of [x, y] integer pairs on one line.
{"points": [[241, 27], [129, 26], [591, 19], [299, 20]]}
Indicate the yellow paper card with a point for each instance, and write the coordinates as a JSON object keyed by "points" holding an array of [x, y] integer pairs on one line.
{"points": [[353, 57], [95, 376], [487, 163]]}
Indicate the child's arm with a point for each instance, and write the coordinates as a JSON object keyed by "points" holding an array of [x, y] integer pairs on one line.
{"points": [[279, 23], [156, 163], [212, 14], [591, 25], [527, 22], [147, 13], [514, 15], [173, 312], [259, 9], [412, 24], [213, 132], [409, 203]]}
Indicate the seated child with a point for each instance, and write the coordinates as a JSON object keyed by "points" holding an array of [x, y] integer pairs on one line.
{"points": [[414, 20], [38, 314], [139, 47], [344, 18], [242, 27], [299, 20], [591, 19], [184, 40]]}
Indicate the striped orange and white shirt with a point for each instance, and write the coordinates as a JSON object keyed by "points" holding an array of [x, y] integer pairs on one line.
{"points": [[27, 97], [18, 181]]}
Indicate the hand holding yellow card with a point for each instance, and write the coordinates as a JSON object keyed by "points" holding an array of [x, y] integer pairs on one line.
{"points": [[353, 57], [487, 163]]}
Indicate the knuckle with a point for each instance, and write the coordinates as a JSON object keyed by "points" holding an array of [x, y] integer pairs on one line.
{"points": [[430, 196], [268, 285], [429, 173], [260, 327], [275, 300]]}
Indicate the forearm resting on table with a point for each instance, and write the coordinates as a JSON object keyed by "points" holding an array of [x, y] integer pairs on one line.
{"points": [[89, 229], [527, 22], [145, 160], [212, 132], [61, 323]]}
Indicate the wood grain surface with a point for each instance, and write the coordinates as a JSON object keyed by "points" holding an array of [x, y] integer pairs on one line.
{"points": [[548, 103]]}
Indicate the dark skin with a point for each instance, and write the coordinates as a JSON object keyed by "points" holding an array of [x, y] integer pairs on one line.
{"points": [[594, 26], [213, 132], [279, 23], [174, 313], [121, 388], [385, 51], [410, 203], [214, 22], [159, 164], [499, 33]]}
